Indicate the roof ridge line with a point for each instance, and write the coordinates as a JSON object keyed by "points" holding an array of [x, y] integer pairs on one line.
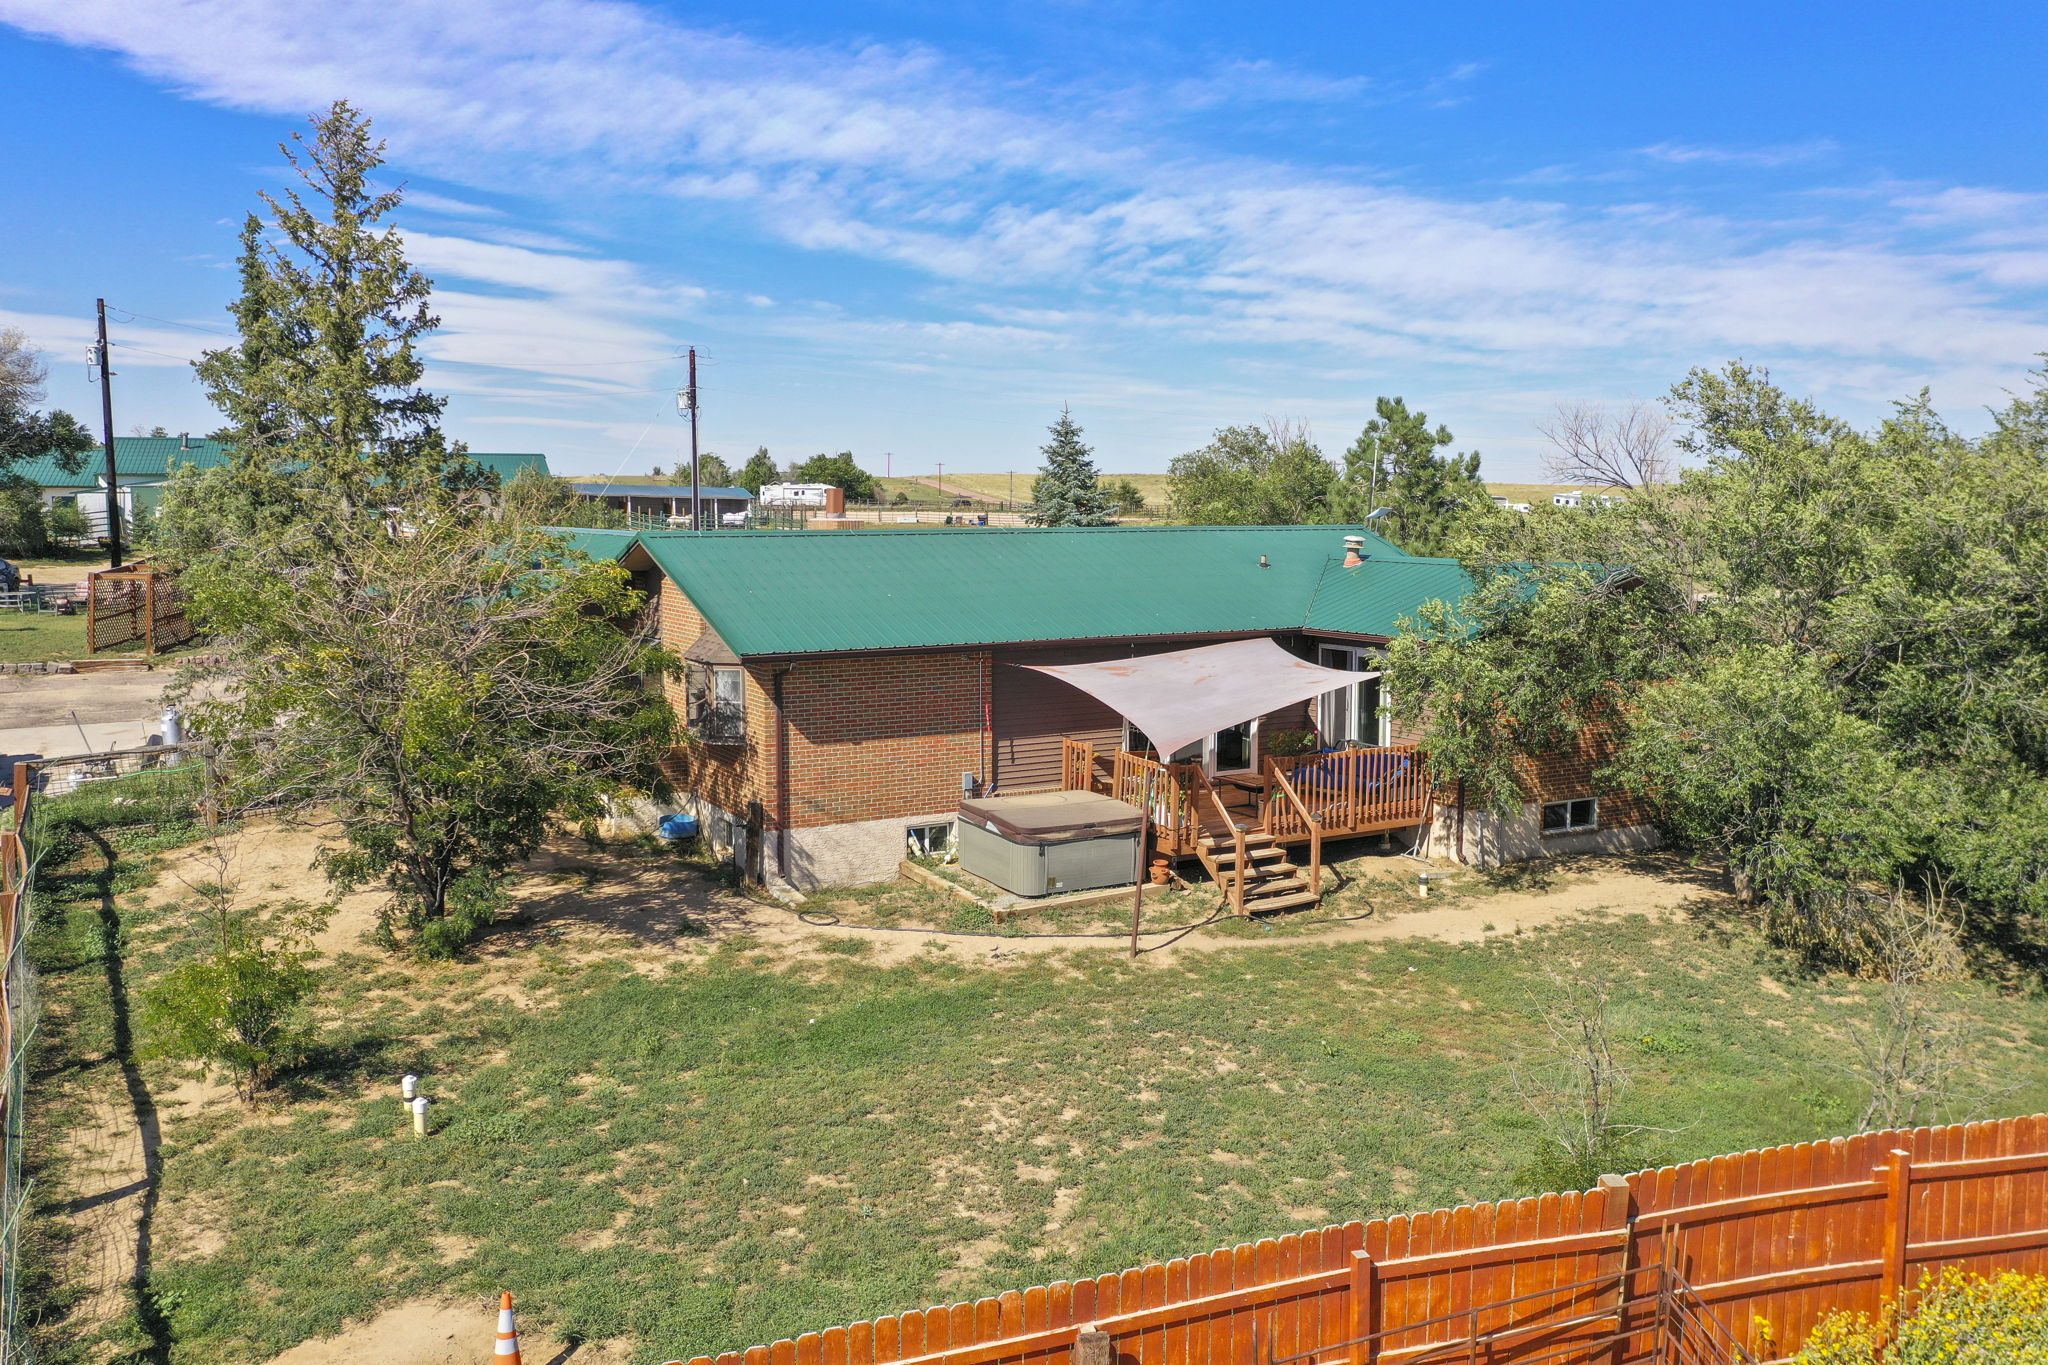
{"points": [[1309, 611]]}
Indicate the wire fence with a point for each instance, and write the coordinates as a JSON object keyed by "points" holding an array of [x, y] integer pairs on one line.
{"points": [[19, 1012], [50, 798]]}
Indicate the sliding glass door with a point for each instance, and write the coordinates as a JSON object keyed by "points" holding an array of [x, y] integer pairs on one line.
{"points": [[1357, 714]]}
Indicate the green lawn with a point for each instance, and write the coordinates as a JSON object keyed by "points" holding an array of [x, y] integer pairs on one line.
{"points": [[703, 1144], [37, 637]]}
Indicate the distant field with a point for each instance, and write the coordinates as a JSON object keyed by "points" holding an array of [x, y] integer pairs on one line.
{"points": [[998, 487], [1005, 487], [1532, 492]]}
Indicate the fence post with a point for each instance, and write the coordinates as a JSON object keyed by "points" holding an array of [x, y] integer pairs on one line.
{"points": [[23, 781], [209, 788], [1897, 1175], [1365, 1307], [149, 615], [1617, 1215], [1091, 1347]]}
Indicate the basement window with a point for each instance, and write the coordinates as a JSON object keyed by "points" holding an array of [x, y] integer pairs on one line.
{"points": [[1570, 817], [929, 841]]}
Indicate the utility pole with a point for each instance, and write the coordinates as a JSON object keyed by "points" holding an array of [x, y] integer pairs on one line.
{"points": [[690, 406], [107, 437]]}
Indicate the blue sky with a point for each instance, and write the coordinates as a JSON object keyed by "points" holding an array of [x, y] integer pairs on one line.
{"points": [[918, 228]]}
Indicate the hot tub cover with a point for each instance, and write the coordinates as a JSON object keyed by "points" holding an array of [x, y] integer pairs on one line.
{"points": [[1052, 817], [1182, 696]]}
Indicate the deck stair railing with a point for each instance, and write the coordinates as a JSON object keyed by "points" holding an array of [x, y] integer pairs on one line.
{"points": [[1288, 817]]}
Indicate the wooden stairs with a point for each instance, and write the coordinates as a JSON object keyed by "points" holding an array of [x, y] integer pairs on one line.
{"points": [[1247, 862], [1258, 877]]}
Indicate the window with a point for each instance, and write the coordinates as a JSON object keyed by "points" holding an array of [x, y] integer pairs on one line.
{"points": [[1359, 714], [929, 841], [1569, 817], [718, 704]]}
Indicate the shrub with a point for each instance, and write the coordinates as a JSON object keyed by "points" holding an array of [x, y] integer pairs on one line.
{"points": [[1958, 1319]]}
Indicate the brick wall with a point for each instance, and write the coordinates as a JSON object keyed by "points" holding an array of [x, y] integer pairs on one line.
{"points": [[883, 736], [1568, 774], [729, 776], [871, 738]]}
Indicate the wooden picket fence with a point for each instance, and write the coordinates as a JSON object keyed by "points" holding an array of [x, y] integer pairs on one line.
{"points": [[1762, 1243]]}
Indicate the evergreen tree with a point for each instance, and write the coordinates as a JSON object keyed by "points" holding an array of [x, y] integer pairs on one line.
{"points": [[1066, 492], [322, 394], [760, 469], [1394, 464]]}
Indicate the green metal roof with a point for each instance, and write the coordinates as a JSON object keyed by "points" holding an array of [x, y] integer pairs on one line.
{"points": [[136, 457], [508, 466], [805, 592], [156, 457], [1371, 598], [596, 544]]}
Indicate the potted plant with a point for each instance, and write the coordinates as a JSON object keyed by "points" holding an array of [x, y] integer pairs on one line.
{"points": [[1289, 743]]}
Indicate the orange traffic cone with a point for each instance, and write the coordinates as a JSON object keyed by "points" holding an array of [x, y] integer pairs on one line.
{"points": [[508, 1333]]}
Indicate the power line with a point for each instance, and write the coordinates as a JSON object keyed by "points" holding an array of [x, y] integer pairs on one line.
{"points": [[480, 364], [169, 322]]}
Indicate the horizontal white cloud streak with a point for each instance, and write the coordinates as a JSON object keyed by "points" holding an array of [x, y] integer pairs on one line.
{"points": [[896, 154]]}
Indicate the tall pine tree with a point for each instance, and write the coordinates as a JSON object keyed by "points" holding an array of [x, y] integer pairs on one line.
{"points": [[1066, 492], [322, 393], [1394, 464]]}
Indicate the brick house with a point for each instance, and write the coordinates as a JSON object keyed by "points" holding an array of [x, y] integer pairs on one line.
{"points": [[843, 688]]}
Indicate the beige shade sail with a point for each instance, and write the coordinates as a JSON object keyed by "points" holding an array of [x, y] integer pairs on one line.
{"points": [[1189, 694]]}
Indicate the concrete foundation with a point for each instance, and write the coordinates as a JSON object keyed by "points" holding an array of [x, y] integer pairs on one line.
{"points": [[1490, 840], [854, 854]]}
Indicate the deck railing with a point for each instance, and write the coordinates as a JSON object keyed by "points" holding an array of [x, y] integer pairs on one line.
{"points": [[1355, 790], [1288, 817]]}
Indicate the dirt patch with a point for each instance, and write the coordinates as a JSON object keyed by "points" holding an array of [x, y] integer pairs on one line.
{"points": [[442, 1332], [106, 1171]]}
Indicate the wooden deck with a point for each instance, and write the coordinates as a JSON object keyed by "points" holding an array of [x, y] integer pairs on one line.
{"points": [[1241, 825]]}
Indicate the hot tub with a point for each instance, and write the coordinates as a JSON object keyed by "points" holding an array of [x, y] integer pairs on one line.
{"points": [[1040, 843]]}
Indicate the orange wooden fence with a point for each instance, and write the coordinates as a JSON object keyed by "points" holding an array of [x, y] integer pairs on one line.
{"points": [[1782, 1235]]}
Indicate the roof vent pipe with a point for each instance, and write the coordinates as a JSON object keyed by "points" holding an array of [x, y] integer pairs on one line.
{"points": [[1354, 551]]}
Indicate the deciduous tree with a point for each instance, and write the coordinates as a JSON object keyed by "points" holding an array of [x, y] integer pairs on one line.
{"points": [[1253, 476], [841, 472], [432, 699], [27, 434], [1819, 654]]}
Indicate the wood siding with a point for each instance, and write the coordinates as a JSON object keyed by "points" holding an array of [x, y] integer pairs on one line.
{"points": [[1033, 712]]}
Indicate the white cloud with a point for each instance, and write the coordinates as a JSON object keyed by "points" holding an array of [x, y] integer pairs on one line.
{"points": [[63, 339], [1784, 155], [1013, 197], [441, 203]]}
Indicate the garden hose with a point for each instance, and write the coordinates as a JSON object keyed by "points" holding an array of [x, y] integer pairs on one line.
{"points": [[820, 919]]}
